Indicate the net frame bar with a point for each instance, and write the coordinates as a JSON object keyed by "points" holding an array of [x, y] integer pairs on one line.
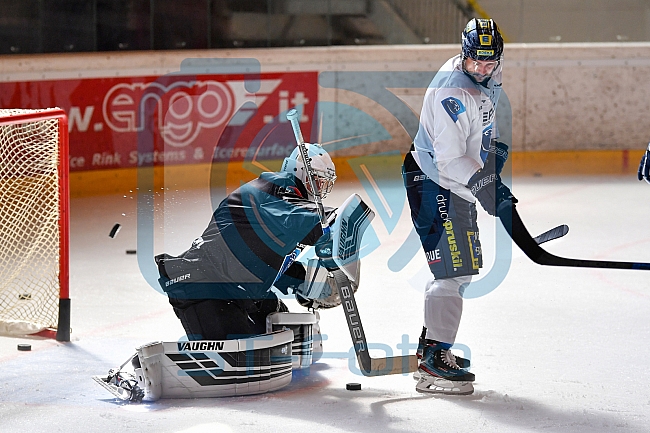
{"points": [[63, 327]]}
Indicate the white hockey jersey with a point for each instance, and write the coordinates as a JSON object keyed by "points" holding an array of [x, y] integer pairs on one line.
{"points": [[457, 123]]}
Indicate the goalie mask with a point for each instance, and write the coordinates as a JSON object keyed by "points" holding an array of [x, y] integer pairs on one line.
{"points": [[322, 165], [482, 48]]}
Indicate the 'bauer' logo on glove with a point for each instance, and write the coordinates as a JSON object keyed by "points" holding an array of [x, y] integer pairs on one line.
{"points": [[483, 182]]}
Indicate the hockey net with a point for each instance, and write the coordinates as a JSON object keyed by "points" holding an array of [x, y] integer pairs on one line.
{"points": [[34, 297]]}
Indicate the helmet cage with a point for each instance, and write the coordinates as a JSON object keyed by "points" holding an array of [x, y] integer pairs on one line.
{"points": [[321, 164], [324, 182]]}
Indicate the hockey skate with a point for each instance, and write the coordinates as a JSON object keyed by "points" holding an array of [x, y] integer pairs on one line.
{"points": [[441, 374], [460, 361]]}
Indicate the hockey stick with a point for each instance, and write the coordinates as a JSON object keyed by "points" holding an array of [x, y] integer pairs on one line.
{"points": [[554, 233], [292, 117], [368, 366], [519, 234]]}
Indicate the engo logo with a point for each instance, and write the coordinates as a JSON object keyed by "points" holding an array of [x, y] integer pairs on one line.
{"points": [[182, 109]]}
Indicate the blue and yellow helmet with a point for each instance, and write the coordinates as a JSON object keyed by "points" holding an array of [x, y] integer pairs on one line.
{"points": [[482, 40]]}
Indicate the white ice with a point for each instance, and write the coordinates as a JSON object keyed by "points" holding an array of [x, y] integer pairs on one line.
{"points": [[553, 349]]}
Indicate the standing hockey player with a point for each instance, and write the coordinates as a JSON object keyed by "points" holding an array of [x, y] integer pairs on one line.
{"points": [[644, 166], [221, 287], [454, 161]]}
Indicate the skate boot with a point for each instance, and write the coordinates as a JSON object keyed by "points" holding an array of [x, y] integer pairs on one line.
{"points": [[460, 361], [440, 373]]}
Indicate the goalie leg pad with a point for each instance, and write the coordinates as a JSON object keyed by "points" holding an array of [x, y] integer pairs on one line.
{"points": [[302, 325], [190, 369], [317, 351], [149, 374]]}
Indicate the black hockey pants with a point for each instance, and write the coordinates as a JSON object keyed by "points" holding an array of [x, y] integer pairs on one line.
{"points": [[223, 319]]}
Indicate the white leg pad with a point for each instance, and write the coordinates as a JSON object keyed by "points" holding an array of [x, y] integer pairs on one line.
{"points": [[302, 325], [191, 369], [150, 356]]}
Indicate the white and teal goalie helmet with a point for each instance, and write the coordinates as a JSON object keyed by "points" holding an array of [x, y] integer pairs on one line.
{"points": [[321, 163]]}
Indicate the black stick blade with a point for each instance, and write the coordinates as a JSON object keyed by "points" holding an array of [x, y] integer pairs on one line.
{"points": [[517, 230]]}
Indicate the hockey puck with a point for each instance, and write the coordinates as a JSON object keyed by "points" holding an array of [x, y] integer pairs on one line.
{"points": [[114, 230], [24, 347], [353, 387], [131, 251]]}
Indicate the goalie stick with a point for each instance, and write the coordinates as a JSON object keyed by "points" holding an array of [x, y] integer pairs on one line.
{"points": [[292, 117], [515, 227], [369, 366], [353, 218]]}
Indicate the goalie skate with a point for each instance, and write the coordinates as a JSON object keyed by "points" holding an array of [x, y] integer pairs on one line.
{"points": [[437, 385], [121, 384]]}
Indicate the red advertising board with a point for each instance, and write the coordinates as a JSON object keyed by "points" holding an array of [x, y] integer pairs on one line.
{"points": [[122, 122]]}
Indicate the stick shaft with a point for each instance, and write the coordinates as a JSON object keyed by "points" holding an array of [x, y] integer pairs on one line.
{"points": [[292, 117], [369, 366]]}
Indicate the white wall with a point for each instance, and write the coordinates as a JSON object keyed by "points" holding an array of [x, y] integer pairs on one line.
{"points": [[571, 20]]}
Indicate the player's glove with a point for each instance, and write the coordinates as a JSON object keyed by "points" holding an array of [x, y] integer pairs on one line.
{"points": [[488, 189], [644, 166], [497, 155]]}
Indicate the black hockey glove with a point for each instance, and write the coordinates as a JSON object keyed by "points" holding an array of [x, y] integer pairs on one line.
{"points": [[644, 166], [497, 156], [488, 189]]}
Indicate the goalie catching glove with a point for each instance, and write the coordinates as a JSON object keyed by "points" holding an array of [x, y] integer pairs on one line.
{"points": [[337, 264], [324, 279]]}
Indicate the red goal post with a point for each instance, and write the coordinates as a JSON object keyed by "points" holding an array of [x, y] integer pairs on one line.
{"points": [[34, 223]]}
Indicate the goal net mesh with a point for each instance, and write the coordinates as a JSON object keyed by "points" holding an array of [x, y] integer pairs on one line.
{"points": [[29, 225]]}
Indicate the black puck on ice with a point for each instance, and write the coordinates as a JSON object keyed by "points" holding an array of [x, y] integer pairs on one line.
{"points": [[353, 387], [131, 251], [114, 230], [24, 347]]}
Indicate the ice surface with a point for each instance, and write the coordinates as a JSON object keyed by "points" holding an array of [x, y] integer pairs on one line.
{"points": [[553, 349]]}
